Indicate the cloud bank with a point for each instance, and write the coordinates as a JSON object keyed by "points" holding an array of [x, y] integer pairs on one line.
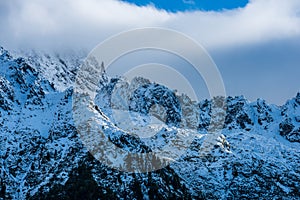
{"points": [[256, 47], [70, 23], [259, 21], [85, 23]]}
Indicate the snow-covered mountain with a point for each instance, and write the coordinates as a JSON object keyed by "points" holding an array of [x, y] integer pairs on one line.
{"points": [[255, 156]]}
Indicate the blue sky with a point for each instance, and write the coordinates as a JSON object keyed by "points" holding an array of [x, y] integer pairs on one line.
{"points": [[191, 5], [256, 46]]}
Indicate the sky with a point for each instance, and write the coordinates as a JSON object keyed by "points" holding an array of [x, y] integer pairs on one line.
{"points": [[254, 44], [191, 5]]}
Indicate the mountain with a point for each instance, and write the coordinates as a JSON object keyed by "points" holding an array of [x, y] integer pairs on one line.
{"points": [[256, 154]]}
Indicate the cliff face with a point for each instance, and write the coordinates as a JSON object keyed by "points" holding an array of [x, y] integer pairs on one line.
{"points": [[256, 155]]}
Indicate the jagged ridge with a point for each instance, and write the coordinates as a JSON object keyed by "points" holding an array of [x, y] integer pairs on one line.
{"points": [[255, 156]]}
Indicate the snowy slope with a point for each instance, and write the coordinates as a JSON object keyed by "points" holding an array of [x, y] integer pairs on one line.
{"points": [[256, 155]]}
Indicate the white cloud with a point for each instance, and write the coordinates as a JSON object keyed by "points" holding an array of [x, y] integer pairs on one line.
{"points": [[261, 26], [260, 20], [71, 23], [75, 23]]}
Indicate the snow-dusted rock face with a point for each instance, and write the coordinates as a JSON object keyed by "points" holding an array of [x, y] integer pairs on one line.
{"points": [[148, 95], [290, 126], [255, 156]]}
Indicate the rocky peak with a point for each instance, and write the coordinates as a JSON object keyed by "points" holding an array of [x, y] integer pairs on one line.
{"points": [[4, 54], [297, 99]]}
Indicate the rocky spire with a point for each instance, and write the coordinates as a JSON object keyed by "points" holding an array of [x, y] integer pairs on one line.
{"points": [[102, 68]]}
